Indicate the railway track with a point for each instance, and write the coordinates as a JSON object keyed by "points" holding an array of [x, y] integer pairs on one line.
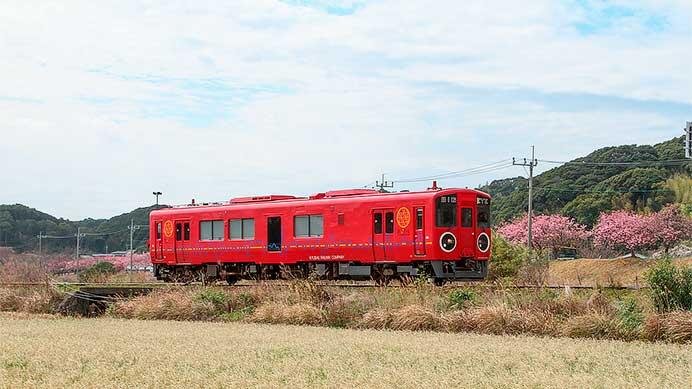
{"points": [[156, 285]]}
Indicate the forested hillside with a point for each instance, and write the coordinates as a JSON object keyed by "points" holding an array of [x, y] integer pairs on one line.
{"points": [[582, 189], [20, 226]]}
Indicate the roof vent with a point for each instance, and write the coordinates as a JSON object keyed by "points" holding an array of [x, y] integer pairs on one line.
{"points": [[259, 199]]}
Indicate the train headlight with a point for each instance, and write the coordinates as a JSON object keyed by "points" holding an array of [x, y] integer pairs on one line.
{"points": [[483, 242], [448, 242]]}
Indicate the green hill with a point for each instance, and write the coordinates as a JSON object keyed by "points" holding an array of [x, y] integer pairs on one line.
{"points": [[583, 191], [20, 226]]}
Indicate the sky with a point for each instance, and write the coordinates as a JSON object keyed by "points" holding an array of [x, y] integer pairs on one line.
{"points": [[102, 103]]}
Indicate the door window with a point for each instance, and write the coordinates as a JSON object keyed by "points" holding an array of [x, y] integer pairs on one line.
{"points": [[178, 231], [274, 234], [419, 218], [186, 232], [377, 223], [389, 217], [466, 217]]}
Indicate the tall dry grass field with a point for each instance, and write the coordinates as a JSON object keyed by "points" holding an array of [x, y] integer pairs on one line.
{"points": [[65, 352]]}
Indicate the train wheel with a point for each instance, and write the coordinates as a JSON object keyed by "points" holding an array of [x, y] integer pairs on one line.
{"points": [[231, 280]]}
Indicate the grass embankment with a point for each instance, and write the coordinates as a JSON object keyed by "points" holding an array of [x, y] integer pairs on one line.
{"points": [[66, 352], [624, 315], [603, 272]]}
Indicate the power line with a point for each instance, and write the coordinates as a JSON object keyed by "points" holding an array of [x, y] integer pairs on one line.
{"points": [[494, 166], [670, 162]]}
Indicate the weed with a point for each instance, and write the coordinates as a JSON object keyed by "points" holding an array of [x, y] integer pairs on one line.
{"points": [[671, 286], [460, 298]]}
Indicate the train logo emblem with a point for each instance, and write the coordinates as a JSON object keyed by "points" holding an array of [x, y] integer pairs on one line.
{"points": [[168, 228], [403, 217]]}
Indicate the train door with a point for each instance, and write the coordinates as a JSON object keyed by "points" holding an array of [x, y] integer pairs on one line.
{"points": [[467, 232], [182, 240], [274, 233], [158, 242], [419, 232], [378, 235]]}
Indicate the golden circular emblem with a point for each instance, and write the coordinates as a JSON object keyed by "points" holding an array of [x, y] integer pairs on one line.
{"points": [[168, 228], [403, 217]]}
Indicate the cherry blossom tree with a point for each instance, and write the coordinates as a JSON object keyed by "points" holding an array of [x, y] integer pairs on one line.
{"points": [[670, 226], [624, 230], [549, 231]]}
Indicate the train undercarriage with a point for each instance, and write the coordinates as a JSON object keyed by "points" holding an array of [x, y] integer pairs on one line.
{"points": [[382, 273]]}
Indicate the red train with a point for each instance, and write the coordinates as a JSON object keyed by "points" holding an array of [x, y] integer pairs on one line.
{"points": [[443, 234]]}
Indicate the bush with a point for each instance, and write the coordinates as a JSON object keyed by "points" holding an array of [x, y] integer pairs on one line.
{"points": [[97, 272], [671, 286], [459, 298], [507, 258]]}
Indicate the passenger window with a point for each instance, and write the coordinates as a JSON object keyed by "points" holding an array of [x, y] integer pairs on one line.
{"points": [[390, 222], [210, 230], [242, 229], [340, 219], [377, 223], [308, 226], [466, 217]]}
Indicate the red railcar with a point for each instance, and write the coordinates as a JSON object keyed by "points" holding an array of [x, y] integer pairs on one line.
{"points": [[444, 234]]}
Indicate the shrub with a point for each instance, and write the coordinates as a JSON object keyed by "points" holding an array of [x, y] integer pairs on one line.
{"points": [[298, 314], [507, 258], [459, 298], [378, 318], [670, 286], [630, 315], [592, 325], [97, 272], [415, 318]]}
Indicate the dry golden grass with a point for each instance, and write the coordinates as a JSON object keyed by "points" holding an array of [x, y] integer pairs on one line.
{"points": [[602, 272], [105, 353], [674, 327]]}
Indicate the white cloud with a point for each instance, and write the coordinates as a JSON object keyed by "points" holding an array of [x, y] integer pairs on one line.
{"points": [[104, 102]]}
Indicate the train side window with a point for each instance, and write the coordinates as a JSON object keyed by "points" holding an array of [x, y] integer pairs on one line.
{"points": [[242, 229], [340, 219], [308, 226], [466, 217], [178, 231], [186, 232], [158, 230], [419, 218], [389, 217], [210, 230], [377, 223]]}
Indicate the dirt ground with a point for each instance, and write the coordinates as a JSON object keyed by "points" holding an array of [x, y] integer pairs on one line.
{"points": [[602, 272], [44, 351]]}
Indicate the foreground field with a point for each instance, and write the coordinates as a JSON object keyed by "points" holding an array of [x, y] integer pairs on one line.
{"points": [[59, 352]]}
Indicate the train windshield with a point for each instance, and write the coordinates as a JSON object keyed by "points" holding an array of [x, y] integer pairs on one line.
{"points": [[446, 211], [483, 212]]}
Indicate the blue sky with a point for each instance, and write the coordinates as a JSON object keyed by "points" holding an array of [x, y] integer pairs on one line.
{"points": [[104, 103]]}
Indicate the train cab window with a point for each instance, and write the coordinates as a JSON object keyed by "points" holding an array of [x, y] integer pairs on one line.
{"points": [[158, 230], [483, 212], [211, 230], [242, 229], [389, 227], [377, 223], [308, 226], [446, 211], [466, 217], [186, 231], [419, 218]]}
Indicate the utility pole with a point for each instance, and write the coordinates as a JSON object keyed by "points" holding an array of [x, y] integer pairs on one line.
{"points": [[688, 140], [531, 164], [157, 194], [132, 232], [384, 184], [78, 233], [40, 237]]}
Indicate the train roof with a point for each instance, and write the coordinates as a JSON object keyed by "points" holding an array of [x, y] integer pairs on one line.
{"points": [[330, 197]]}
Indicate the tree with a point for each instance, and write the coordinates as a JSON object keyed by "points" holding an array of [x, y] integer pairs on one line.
{"points": [[624, 230], [670, 226], [549, 231]]}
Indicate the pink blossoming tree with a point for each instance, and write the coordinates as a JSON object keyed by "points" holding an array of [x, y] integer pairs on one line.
{"points": [[624, 230], [549, 231], [670, 226]]}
